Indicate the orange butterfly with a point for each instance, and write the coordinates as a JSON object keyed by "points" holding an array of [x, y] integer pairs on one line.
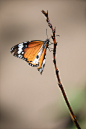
{"points": [[34, 52]]}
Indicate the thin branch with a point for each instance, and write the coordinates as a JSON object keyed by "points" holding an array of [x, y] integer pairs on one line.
{"points": [[57, 71]]}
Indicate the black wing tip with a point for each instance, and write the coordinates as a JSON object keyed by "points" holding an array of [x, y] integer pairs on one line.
{"points": [[13, 48], [11, 51]]}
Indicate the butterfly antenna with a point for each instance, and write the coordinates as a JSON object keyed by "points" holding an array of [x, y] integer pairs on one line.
{"points": [[55, 31], [46, 33]]}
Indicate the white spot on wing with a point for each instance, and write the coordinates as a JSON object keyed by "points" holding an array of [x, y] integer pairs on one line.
{"points": [[20, 56], [35, 61], [20, 46], [22, 52]]}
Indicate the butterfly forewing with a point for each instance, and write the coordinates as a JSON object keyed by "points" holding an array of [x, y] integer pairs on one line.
{"points": [[31, 51]]}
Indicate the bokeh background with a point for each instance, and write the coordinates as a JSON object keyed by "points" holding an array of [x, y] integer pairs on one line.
{"points": [[29, 100]]}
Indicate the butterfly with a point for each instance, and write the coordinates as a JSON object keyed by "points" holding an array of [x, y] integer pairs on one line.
{"points": [[34, 52]]}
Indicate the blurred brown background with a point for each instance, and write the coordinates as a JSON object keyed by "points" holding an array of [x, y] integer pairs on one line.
{"points": [[30, 100]]}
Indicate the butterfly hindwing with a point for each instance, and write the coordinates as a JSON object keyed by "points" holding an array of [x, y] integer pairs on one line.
{"points": [[42, 60], [36, 60]]}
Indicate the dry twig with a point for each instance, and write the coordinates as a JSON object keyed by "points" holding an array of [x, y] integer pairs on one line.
{"points": [[57, 71]]}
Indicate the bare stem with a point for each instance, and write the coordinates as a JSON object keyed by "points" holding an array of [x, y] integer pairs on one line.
{"points": [[57, 71]]}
